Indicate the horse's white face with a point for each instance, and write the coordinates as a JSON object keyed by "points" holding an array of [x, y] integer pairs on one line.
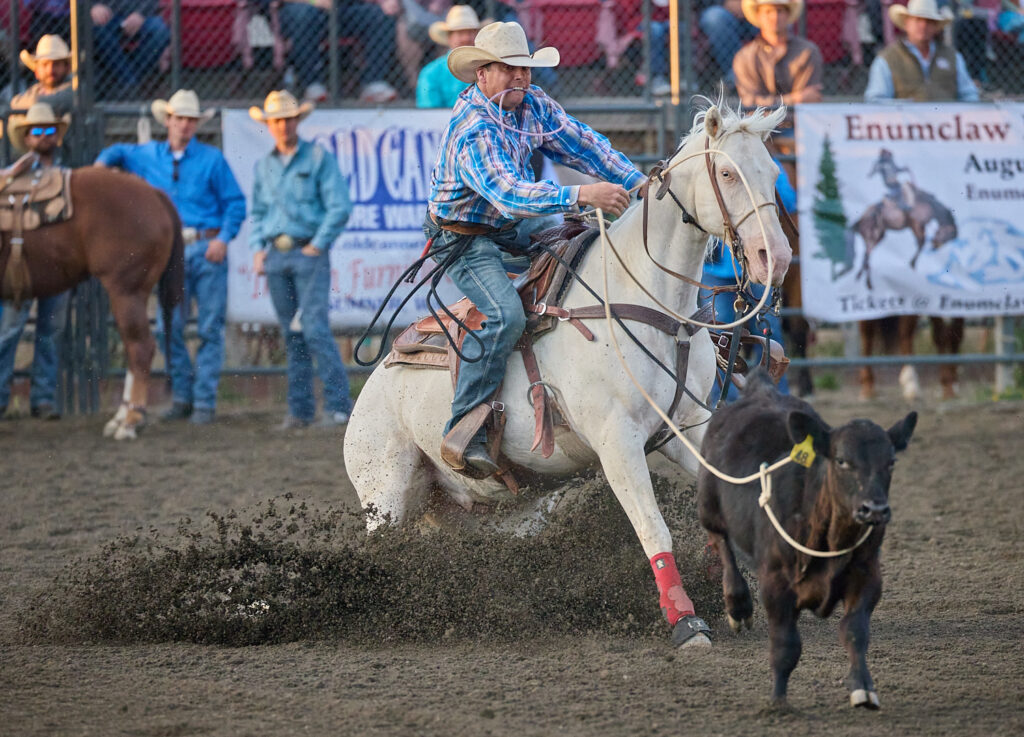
{"points": [[746, 151]]}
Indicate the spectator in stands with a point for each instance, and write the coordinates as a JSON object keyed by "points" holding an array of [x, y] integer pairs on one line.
{"points": [[199, 181], [776, 66], [39, 133], [1011, 19], [300, 204], [726, 29], [304, 24], [52, 66], [920, 67], [129, 37], [437, 86]]}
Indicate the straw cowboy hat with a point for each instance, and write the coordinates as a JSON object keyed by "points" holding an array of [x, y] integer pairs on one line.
{"points": [[184, 104], [460, 18], [280, 104], [504, 42], [795, 7], [927, 9], [40, 114], [50, 48]]}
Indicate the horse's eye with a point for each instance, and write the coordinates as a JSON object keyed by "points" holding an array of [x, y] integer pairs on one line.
{"points": [[726, 174], [843, 463]]}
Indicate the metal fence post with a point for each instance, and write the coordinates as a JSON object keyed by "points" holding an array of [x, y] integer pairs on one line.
{"points": [[333, 59], [1005, 344], [176, 45]]}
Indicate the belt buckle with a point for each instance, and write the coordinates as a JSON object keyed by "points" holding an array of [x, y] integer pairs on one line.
{"points": [[284, 243], [189, 235]]}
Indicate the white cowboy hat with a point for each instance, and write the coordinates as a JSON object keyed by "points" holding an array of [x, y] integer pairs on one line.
{"points": [[460, 18], [280, 104], [795, 7], [927, 9], [184, 104], [504, 42], [40, 114], [49, 47]]}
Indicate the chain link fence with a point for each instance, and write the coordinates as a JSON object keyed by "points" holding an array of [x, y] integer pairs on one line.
{"points": [[371, 51]]}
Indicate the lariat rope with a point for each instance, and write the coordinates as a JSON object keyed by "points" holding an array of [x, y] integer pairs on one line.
{"points": [[764, 473]]}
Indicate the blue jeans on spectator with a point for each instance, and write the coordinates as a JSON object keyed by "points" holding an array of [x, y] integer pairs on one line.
{"points": [[726, 34], [725, 313], [51, 316], [306, 27], [300, 290], [206, 283], [481, 274], [127, 68], [659, 47]]}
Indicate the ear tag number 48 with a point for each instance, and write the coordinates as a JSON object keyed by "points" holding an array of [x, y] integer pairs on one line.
{"points": [[803, 452]]}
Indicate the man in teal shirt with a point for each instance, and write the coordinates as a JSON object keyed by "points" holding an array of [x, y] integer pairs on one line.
{"points": [[300, 204], [436, 86]]}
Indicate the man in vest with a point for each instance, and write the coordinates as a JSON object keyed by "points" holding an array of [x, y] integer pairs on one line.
{"points": [[920, 67]]}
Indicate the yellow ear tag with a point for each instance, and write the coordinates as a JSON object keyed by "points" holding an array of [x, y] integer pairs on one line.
{"points": [[803, 453]]}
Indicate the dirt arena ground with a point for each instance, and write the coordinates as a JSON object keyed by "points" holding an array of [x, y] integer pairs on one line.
{"points": [[282, 619]]}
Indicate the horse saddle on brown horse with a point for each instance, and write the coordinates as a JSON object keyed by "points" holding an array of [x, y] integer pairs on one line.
{"points": [[29, 201]]}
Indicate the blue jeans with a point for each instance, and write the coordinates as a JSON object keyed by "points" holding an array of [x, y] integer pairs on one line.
{"points": [[726, 34], [724, 312], [306, 27], [659, 47], [127, 67], [207, 284], [299, 288], [51, 316], [481, 274]]}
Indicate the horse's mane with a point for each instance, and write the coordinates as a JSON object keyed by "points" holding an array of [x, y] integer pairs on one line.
{"points": [[762, 121]]}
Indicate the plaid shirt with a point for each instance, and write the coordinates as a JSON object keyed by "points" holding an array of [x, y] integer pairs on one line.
{"points": [[483, 173]]}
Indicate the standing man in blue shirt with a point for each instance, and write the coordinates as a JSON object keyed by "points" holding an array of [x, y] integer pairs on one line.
{"points": [[300, 205], [483, 193], [436, 85], [199, 181]]}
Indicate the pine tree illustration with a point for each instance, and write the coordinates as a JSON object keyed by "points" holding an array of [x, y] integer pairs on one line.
{"points": [[829, 218]]}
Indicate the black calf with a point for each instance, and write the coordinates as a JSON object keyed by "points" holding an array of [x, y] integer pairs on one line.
{"points": [[825, 507]]}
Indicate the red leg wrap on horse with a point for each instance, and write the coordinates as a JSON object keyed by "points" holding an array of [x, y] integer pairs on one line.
{"points": [[673, 599]]}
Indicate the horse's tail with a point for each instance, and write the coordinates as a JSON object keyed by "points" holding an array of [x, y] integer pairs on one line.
{"points": [[171, 288]]}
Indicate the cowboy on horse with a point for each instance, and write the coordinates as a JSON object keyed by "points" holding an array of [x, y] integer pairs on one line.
{"points": [[484, 202], [900, 191]]}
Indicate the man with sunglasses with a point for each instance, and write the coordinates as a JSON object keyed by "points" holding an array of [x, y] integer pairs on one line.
{"points": [[39, 133], [199, 181]]}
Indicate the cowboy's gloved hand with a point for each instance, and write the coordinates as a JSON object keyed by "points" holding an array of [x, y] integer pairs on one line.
{"points": [[216, 251], [611, 198]]}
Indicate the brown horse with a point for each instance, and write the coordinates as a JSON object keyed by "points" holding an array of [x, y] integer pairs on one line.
{"points": [[898, 332], [128, 235]]}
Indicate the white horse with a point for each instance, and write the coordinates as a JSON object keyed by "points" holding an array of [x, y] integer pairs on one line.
{"points": [[392, 445]]}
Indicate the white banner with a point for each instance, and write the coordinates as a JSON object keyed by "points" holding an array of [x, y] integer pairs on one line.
{"points": [[911, 208], [387, 157]]}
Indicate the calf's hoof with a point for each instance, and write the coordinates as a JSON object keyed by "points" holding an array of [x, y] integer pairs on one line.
{"points": [[865, 698], [691, 631], [737, 624]]}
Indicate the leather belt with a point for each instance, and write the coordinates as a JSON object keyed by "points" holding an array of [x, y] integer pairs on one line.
{"points": [[193, 235], [469, 228]]}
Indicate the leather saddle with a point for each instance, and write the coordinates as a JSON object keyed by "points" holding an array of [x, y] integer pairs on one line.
{"points": [[36, 198], [29, 201]]}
